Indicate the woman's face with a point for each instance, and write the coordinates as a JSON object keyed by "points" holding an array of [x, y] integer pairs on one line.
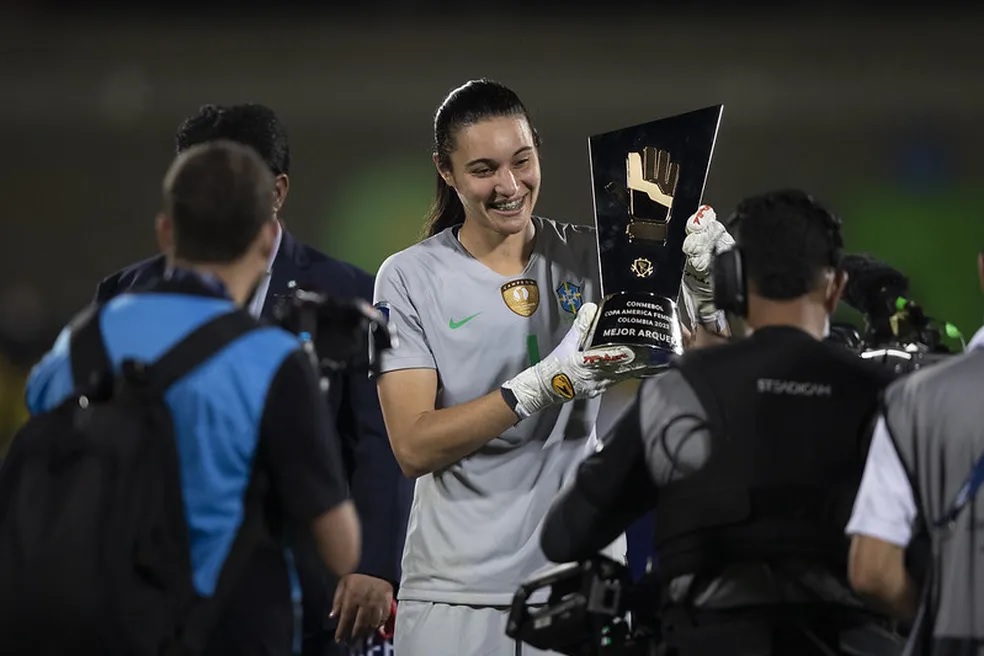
{"points": [[495, 169]]}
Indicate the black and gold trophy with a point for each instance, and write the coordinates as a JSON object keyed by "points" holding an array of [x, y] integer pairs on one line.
{"points": [[647, 181]]}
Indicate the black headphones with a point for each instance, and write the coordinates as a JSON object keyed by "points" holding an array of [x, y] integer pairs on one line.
{"points": [[728, 275], [728, 281]]}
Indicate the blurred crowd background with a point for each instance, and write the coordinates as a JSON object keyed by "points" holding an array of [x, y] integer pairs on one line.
{"points": [[875, 109]]}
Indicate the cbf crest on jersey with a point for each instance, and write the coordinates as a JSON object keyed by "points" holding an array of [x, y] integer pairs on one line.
{"points": [[570, 297], [521, 296]]}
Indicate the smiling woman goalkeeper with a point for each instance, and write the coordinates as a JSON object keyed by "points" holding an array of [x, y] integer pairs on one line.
{"points": [[490, 430]]}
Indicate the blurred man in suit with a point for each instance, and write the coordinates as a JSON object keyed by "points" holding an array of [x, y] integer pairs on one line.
{"points": [[357, 605]]}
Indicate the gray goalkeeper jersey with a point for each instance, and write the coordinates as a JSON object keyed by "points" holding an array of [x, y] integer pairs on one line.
{"points": [[474, 528]]}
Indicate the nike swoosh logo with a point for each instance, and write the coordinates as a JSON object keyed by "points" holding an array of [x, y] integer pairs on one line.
{"points": [[454, 325]]}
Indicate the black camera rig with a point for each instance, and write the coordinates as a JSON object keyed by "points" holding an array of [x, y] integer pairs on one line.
{"points": [[590, 608], [897, 334], [339, 334]]}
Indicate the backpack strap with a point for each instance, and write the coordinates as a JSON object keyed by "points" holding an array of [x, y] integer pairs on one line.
{"points": [[204, 616], [178, 361], [91, 368], [199, 345], [692, 368]]}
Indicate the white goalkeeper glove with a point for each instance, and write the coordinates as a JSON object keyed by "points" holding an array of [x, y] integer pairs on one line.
{"points": [[705, 237], [568, 372]]}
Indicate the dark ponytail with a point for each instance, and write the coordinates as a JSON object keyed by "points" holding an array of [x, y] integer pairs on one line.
{"points": [[470, 103], [446, 211]]}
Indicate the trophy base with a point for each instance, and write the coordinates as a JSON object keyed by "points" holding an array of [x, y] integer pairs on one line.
{"points": [[646, 323]]}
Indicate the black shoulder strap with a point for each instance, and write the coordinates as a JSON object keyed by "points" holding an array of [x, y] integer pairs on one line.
{"points": [[87, 351], [181, 359], [920, 637], [204, 616], [694, 371], [91, 367], [201, 344]]}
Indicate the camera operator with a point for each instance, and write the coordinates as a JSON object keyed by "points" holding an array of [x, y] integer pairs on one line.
{"points": [[750, 452], [916, 485]]}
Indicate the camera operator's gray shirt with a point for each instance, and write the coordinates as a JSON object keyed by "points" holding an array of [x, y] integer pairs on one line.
{"points": [[474, 528]]}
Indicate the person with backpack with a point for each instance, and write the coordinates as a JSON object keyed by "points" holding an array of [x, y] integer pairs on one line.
{"points": [[176, 444], [334, 611]]}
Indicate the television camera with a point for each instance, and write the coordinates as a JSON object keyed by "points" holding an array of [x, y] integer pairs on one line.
{"points": [[590, 608], [897, 332], [338, 334]]}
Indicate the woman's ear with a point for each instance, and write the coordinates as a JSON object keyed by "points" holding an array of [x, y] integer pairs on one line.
{"points": [[443, 172]]}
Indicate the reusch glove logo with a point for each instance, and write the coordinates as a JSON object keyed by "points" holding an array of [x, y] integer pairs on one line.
{"points": [[563, 386]]}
